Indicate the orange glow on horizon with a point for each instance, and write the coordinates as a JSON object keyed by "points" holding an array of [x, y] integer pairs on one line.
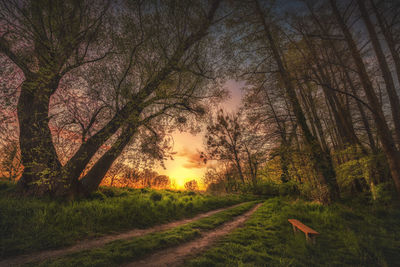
{"points": [[186, 165]]}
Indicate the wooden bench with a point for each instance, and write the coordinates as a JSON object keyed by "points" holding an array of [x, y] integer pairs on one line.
{"points": [[310, 233]]}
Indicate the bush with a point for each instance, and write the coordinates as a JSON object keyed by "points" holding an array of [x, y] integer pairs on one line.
{"points": [[267, 188], [97, 195], [144, 190], [155, 196], [289, 189], [115, 191], [384, 194]]}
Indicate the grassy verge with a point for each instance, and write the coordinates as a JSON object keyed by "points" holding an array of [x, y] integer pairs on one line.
{"points": [[28, 224], [349, 236], [122, 251]]}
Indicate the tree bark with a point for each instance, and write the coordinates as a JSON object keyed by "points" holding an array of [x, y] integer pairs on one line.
{"points": [[38, 155], [91, 181]]}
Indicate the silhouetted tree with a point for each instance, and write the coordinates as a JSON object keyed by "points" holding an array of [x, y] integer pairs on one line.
{"points": [[191, 185]]}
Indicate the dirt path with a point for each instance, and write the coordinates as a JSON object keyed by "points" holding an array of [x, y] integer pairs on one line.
{"points": [[98, 242], [177, 255]]}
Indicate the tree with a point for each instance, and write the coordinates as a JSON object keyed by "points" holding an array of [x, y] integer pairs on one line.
{"points": [[161, 182], [191, 185], [223, 140]]}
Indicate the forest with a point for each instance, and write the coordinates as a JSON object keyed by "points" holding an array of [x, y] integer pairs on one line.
{"points": [[199, 133]]}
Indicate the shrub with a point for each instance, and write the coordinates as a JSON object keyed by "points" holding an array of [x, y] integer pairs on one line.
{"points": [[144, 190], [108, 191], [289, 189], [155, 196], [97, 195], [266, 188]]}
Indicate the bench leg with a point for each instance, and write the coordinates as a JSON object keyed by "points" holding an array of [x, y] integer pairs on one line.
{"points": [[311, 239], [294, 229], [307, 238]]}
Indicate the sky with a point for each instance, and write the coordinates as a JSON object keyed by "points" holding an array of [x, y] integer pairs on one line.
{"points": [[187, 164]]}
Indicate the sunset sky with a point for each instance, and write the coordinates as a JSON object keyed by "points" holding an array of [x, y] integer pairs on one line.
{"points": [[187, 164]]}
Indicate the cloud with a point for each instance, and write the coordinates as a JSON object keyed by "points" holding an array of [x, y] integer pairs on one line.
{"points": [[193, 160]]}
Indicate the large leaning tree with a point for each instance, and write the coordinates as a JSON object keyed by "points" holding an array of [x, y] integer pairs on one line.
{"points": [[101, 73]]}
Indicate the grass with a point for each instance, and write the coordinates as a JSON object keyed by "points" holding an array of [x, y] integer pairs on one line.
{"points": [[349, 236], [28, 224], [123, 251]]}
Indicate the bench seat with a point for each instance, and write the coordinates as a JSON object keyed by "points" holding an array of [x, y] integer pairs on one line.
{"points": [[310, 233]]}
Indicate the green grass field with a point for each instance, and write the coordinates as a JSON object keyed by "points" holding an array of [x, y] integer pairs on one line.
{"points": [[349, 236], [28, 225], [357, 233], [123, 251]]}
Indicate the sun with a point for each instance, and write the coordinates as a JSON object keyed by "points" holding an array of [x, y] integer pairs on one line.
{"points": [[182, 175], [179, 174]]}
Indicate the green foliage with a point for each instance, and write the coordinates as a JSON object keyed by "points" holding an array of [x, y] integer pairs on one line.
{"points": [[289, 189], [267, 188], [97, 195], [114, 191], [29, 224], [370, 168], [349, 236], [122, 251], [270, 188], [384, 194]]}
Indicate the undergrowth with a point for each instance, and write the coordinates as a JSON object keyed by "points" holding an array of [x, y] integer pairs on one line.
{"points": [[349, 236]]}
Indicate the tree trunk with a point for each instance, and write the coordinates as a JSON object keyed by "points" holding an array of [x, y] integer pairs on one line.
{"points": [[284, 143], [348, 79], [316, 119], [340, 113], [252, 167], [91, 181], [384, 67], [38, 155], [389, 38], [238, 166]]}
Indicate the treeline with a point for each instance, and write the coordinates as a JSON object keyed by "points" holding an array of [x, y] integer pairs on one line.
{"points": [[123, 175], [321, 100]]}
